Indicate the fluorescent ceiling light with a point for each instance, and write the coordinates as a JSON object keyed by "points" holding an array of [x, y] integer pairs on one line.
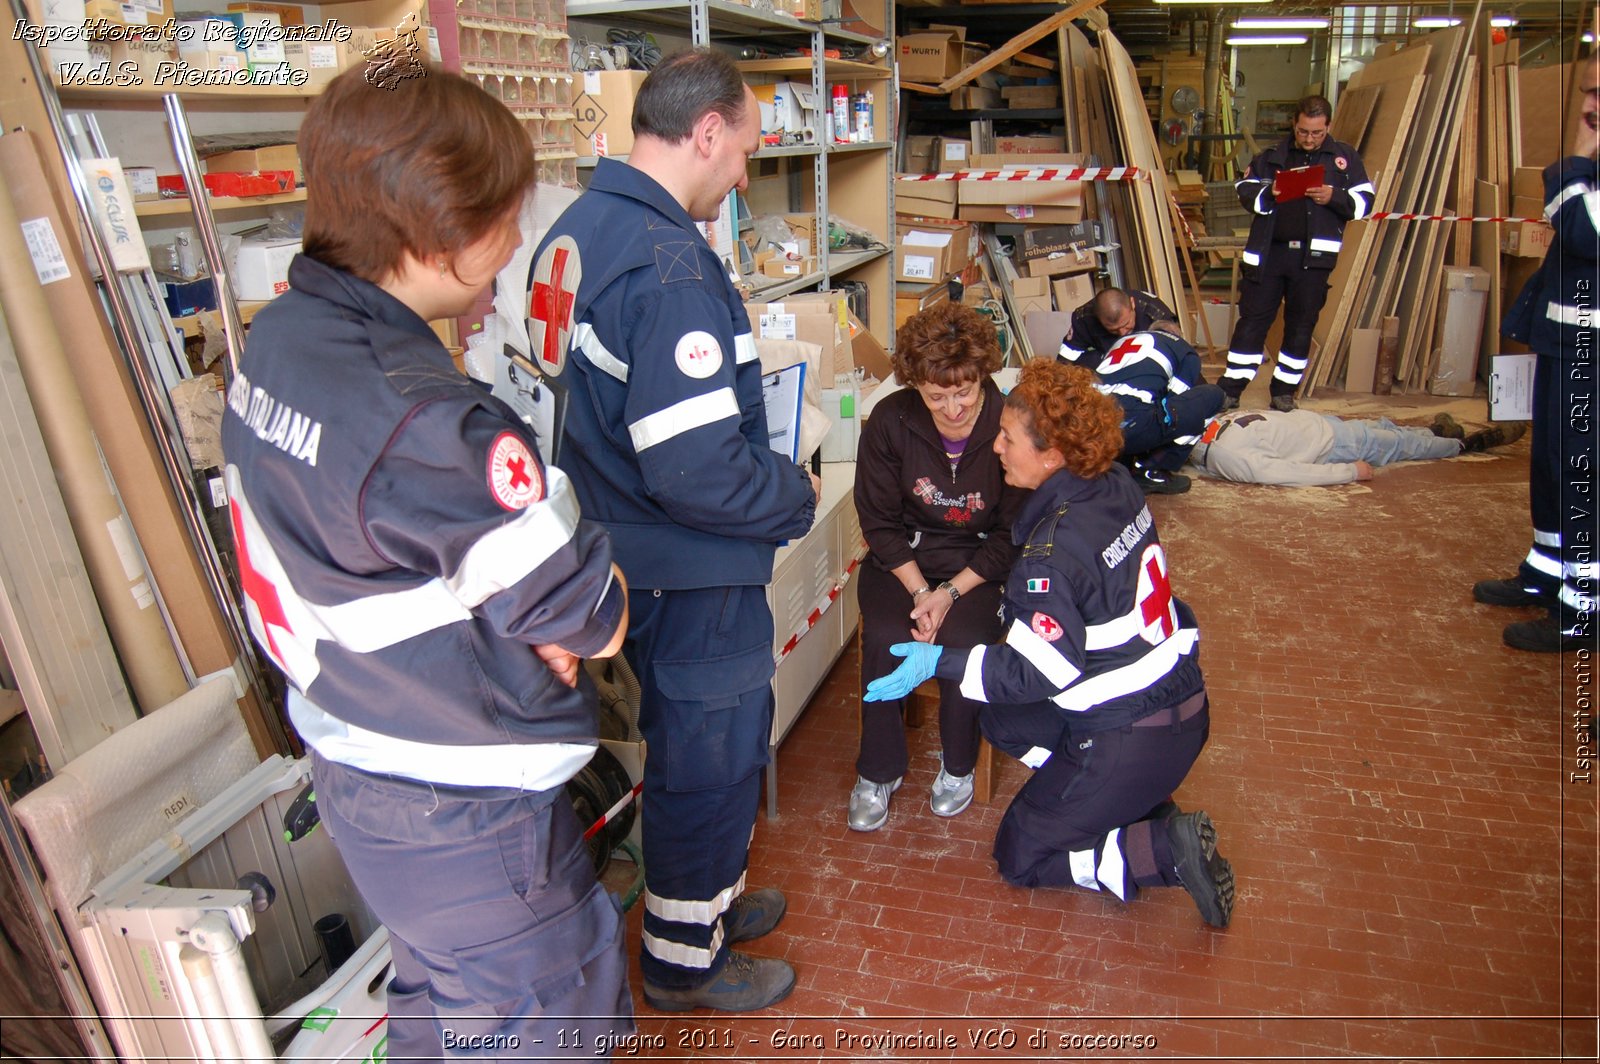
{"points": [[1435, 22], [1502, 21], [1237, 42], [1267, 23], [1588, 38]]}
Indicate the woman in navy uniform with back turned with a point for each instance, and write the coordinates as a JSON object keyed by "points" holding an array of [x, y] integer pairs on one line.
{"points": [[1097, 686], [426, 583]]}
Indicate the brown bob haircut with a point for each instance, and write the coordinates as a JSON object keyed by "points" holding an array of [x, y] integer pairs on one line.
{"points": [[427, 167], [1061, 408], [946, 345]]}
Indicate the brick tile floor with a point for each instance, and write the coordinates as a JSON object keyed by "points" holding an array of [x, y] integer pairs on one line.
{"points": [[1415, 877]]}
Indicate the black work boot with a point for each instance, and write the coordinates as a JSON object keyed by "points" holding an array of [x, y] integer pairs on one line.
{"points": [[1448, 427], [753, 914], [745, 984], [1204, 873], [1548, 635], [1497, 436], [1283, 403], [1512, 592]]}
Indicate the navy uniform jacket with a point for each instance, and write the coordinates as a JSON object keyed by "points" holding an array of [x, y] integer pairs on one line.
{"points": [[1092, 624], [1087, 340], [1556, 312], [632, 314], [1352, 199], [1147, 366], [401, 545]]}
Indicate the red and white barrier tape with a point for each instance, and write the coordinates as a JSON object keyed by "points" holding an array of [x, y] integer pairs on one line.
{"points": [[1037, 173], [821, 607], [1398, 216], [612, 813]]}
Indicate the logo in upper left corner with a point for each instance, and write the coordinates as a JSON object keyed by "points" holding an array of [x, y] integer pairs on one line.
{"points": [[392, 60], [515, 479]]}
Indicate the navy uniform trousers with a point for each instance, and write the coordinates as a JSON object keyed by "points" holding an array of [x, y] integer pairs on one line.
{"points": [[1281, 278], [1083, 817], [504, 945], [1562, 491], [972, 621], [1164, 436], [704, 661]]}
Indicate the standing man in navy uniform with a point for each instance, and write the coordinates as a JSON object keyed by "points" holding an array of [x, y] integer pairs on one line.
{"points": [[1555, 315], [1292, 248], [635, 320]]}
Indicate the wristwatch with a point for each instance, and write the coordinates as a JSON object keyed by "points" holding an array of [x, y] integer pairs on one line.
{"points": [[955, 592]]}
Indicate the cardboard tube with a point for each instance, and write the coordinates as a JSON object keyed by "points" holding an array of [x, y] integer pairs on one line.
{"points": [[104, 537]]}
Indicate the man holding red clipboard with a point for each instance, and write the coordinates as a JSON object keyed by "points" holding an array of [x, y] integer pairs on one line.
{"points": [[1301, 191]]}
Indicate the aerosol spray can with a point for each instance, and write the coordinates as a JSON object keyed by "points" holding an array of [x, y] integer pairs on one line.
{"points": [[864, 118], [841, 114]]}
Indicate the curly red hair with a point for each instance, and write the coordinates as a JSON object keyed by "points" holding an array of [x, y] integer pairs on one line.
{"points": [[1062, 408]]}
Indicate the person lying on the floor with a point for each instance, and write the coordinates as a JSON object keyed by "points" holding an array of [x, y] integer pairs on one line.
{"points": [[1303, 447], [1097, 686]]}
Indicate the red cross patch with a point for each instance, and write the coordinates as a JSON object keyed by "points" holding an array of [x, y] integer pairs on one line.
{"points": [[1128, 345], [1156, 607], [515, 480], [698, 354], [552, 292], [1046, 627], [1341, 162], [259, 590]]}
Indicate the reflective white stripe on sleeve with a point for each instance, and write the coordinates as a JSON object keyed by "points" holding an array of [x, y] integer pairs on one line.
{"points": [[692, 413], [1252, 258], [1070, 353], [693, 912], [972, 678], [1186, 441], [1177, 387], [1126, 389], [1113, 633], [507, 555], [599, 356], [1036, 756], [1320, 244], [1591, 200], [744, 349], [1261, 207], [1362, 195], [1577, 188], [1112, 871], [525, 766], [1041, 654], [1082, 862], [1136, 676], [1582, 317], [682, 955], [1547, 539]]}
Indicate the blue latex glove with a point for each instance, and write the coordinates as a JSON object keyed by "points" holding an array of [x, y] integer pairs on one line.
{"points": [[921, 659]]}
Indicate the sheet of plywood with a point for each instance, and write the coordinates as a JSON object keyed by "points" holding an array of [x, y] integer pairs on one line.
{"points": [[1467, 170], [1486, 255], [1538, 90], [1354, 115]]}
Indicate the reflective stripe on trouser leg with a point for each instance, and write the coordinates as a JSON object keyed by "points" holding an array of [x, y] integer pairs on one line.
{"points": [[1578, 589], [704, 661], [1289, 370], [1104, 866], [1242, 366]]}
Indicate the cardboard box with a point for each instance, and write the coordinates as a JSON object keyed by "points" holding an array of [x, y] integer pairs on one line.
{"points": [[911, 300], [781, 266], [932, 55], [1527, 207], [932, 199], [954, 154], [1020, 201], [928, 251], [1219, 318], [1025, 160], [602, 105], [1072, 291], [1029, 144], [288, 14], [140, 56], [920, 155], [1528, 181], [1361, 366], [129, 12], [321, 60], [260, 270], [1466, 296], [786, 106], [1030, 294], [975, 98], [1511, 387], [1031, 97], [274, 157], [866, 352], [1526, 239], [814, 317], [1064, 263], [1041, 240], [1045, 329]]}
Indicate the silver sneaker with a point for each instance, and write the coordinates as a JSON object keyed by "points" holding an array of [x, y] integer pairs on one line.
{"points": [[869, 803], [951, 794]]}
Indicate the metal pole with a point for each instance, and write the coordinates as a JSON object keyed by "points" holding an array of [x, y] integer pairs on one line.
{"points": [[157, 410]]}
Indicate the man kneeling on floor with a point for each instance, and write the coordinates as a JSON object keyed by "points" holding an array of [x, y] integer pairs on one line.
{"points": [[1299, 448]]}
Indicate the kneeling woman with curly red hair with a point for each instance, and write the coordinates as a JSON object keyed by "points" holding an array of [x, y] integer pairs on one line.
{"points": [[1097, 686]]}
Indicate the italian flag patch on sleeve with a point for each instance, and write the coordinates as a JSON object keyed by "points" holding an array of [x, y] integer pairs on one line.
{"points": [[1039, 585]]}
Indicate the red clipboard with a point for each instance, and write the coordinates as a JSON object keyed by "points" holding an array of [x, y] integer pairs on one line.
{"points": [[1293, 184]]}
